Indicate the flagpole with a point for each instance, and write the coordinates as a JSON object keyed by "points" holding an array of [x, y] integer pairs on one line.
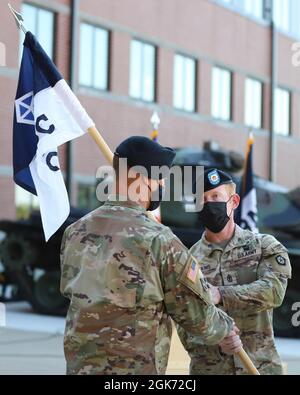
{"points": [[18, 18], [101, 143], [243, 356], [249, 144], [94, 133], [73, 85], [106, 151]]}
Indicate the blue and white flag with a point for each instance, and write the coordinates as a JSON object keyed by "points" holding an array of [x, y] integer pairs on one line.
{"points": [[248, 209], [47, 114]]}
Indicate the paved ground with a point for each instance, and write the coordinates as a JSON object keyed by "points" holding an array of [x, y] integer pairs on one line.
{"points": [[32, 344]]}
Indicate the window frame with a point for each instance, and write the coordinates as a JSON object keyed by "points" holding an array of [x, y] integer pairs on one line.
{"points": [[144, 43], [195, 90], [251, 78], [230, 101], [283, 133], [242, 11], [93, 62]]}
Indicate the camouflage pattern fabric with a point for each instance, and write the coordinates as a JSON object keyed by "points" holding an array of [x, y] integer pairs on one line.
{"points": [[126, 277], [252, 273]]}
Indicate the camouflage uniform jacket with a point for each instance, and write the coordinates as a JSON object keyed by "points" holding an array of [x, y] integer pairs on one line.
{"points": [[126, 275], [251, 273]]}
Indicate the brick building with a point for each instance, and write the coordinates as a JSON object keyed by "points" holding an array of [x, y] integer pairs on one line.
{"points": [[203, 65]]}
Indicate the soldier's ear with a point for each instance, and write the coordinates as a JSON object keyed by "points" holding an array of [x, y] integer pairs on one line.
{"points": [[236, 201]]}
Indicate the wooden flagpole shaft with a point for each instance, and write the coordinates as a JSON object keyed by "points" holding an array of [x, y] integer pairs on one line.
{"points": [[246, 361], [106, 151], [99, 140], [248, 364]]}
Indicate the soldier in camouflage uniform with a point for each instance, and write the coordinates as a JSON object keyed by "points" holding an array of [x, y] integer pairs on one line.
{"points": [[248, 274], [126, 276]]}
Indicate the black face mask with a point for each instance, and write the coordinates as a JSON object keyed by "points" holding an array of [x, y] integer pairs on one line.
{"points": [[214, 216], [154, 204]]}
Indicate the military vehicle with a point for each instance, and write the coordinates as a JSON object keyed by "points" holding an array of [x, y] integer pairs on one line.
{"points": [[33, 266]]}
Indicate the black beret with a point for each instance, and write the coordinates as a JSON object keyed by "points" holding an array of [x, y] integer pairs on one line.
{"points": [[214, 178], [142, 151]]}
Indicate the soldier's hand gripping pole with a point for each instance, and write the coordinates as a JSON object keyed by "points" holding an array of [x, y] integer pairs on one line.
{"points": [[106, 151], [246, 361]]}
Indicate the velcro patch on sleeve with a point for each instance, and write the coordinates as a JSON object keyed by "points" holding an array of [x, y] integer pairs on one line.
{"points": [[192, 277]]}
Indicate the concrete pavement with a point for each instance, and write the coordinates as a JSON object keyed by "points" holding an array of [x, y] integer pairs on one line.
{"points": [[33, 344]]}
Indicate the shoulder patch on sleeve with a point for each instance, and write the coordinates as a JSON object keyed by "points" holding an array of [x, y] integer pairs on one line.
{"points": [[281, 260], [192, 277], [275, 255], [193, 271], [279, 263]]}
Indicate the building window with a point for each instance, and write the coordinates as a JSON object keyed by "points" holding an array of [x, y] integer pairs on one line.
{"points": [[286, 12], [282, 112], [254, 8], [142, 71], [294, 20], [286, 16], [94, 57], [253, 103], [41, 23], [184, 95], [221, 94], [282, 14]]}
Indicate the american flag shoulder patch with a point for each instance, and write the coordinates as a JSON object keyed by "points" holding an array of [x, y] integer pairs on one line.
{"points": [[193, 271]]}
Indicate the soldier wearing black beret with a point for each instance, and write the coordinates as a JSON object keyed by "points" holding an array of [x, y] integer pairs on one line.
{"points": [[146, 157], [127, 275], [248, 273], [141, 151]]}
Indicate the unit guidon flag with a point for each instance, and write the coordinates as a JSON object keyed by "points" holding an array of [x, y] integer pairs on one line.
{"points": [[47, 114]]}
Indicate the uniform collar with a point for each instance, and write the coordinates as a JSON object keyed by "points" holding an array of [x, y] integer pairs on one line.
{"points": [[237, 240], [122, 201]]}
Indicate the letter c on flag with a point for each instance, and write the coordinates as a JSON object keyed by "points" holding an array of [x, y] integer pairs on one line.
{"points": [[48, 161], [42, 130]]}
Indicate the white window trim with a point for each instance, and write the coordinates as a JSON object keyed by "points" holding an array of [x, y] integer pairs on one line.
{"points": [[183, 106], [140, 96], [93, 63]]}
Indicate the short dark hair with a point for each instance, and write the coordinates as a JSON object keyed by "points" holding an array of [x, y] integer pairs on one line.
{"points": [[116, 165]]}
